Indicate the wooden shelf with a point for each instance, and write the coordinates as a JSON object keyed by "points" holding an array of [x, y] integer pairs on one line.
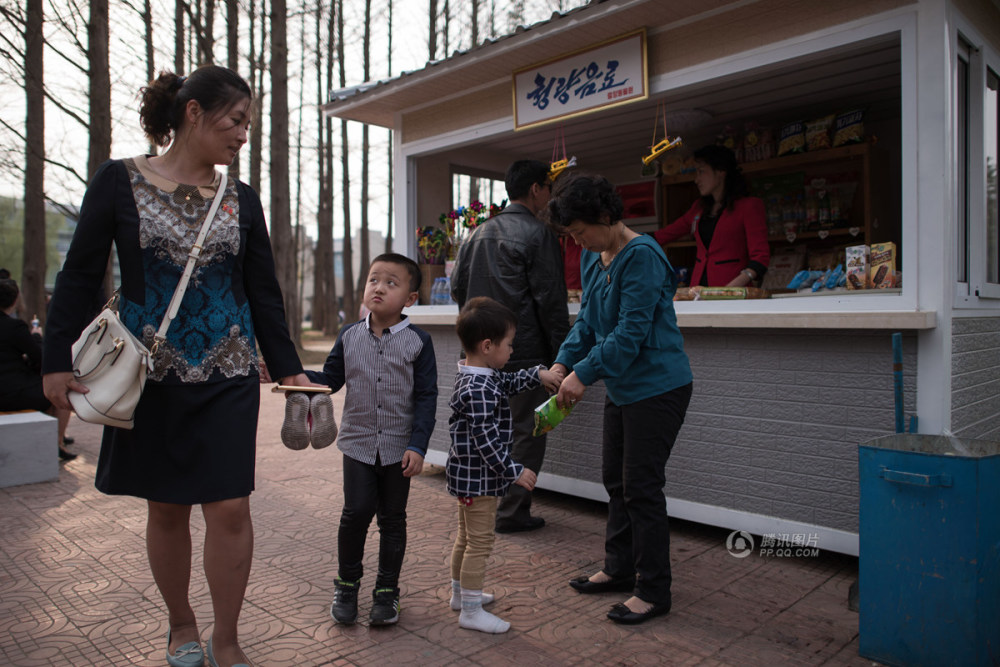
{"points": [[787, 162]]}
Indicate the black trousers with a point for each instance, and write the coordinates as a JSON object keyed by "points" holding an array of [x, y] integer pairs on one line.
{"points": [[369, 491], [528, 450], [637, 441]]}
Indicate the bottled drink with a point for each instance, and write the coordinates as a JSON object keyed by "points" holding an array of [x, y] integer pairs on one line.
{"points": [[35, 322]]}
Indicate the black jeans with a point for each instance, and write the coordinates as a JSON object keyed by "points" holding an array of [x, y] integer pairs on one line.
{"points": [[371, 490], [637, 441]]}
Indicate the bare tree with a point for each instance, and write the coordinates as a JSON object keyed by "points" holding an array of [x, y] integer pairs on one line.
{"points": [[388, 60], [179, 34], [432, 14], [474, 23], [257, 83], [147, 23], [300, 241], [33, 264], [347, 254], [232, 55], [366, 58], [98, 59], [281, 233], [324, 310]]}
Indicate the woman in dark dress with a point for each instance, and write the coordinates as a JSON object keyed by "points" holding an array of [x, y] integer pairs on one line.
{"points": [[194, 438]]}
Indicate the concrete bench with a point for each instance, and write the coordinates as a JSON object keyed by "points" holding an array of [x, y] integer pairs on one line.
{"points": [[29, 449]]}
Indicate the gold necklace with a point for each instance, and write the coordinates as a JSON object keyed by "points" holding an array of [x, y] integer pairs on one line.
{"points": [[605, 267]]}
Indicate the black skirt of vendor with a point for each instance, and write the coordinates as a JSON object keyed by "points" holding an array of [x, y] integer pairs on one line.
{"points": [[191, 444]]}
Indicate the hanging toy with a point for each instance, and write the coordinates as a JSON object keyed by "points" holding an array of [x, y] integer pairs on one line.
{"points": [[661, 147], [559, 166]]}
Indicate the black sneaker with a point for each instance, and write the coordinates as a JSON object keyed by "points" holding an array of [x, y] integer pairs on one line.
{"points": [[385, 606], [345, 601]]}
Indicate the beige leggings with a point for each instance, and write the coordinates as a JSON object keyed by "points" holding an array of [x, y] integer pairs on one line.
{"points": [[474, 542]]}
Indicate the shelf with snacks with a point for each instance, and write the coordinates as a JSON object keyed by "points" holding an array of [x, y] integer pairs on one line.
{"points": [[819, 200]]}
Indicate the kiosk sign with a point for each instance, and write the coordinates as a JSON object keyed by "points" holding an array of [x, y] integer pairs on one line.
{"points": [[607, 74]]}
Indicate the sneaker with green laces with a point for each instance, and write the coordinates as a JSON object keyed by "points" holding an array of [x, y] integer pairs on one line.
{"points": [[385, 606], [345, 601]]}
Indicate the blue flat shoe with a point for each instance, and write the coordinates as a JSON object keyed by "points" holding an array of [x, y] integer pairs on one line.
{"points": [[188, 655], [211, 658]]}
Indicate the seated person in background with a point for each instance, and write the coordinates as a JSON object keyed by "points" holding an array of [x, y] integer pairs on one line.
{"points": [[729, 227], [20, 365]]}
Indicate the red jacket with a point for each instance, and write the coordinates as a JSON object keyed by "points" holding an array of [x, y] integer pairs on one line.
{"points": [[740, 238]]}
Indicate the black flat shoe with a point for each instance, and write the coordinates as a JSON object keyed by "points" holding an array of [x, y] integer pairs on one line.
{"points": [[66, 456], [585, 585], [68, 441], [622, 614], [533, 523]]}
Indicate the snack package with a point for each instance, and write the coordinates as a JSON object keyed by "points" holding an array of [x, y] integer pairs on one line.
{"points": [[833, 279], [883, 265], [548, 415], [849, 128], [856, 259], [792, 139], [804, 279], [818, 133]]}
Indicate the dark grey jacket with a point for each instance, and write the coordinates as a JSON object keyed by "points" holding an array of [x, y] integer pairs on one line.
{"points": [[515, 258]]}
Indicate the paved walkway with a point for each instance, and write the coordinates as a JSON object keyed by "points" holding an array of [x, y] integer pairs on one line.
{"points": [[75, 588]]}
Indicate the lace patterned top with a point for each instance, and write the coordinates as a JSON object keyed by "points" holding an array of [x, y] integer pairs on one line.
{"points": [[232, 298]]}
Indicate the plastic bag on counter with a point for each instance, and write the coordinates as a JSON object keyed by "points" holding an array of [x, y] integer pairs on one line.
{"points": [[548, 415]]}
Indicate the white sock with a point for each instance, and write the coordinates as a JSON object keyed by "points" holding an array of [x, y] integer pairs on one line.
{"points": [[456, 596], [474, 617]]}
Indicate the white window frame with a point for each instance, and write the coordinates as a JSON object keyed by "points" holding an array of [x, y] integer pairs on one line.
{"points": [[979, 292]]}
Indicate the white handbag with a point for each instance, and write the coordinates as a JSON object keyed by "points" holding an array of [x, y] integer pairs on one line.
{"points": [[112, 363]]}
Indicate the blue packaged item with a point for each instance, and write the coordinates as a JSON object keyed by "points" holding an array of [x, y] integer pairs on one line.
{"points": [[804, 278], [833, 278]]}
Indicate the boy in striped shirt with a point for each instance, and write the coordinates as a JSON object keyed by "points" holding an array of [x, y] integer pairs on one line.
{"points": [[390, 371], [480, 468]]}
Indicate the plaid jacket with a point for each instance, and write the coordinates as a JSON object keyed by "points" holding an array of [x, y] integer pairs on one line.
{"points": [[479, 462]]}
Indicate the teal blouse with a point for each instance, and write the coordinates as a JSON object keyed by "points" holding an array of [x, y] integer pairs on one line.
{"points": [[626, 333]]}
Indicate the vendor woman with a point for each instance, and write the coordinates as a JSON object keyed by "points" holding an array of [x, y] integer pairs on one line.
{"points": [[728, 226]]}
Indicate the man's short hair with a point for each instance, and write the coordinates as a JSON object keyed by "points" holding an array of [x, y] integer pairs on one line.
{"points": [[483, 318], [8, 293], [522, 174], [411, 267]]}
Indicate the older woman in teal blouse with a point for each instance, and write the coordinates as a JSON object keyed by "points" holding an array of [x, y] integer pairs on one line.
{"points": [[626, 335]]}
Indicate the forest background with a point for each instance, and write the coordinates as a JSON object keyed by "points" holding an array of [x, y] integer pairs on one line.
{"points": [[70, 73]]}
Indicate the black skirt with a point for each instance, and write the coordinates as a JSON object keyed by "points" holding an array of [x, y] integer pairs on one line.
{"points": [[191, 444]]}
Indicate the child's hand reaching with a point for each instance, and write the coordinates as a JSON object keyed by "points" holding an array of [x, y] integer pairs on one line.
{"points": [[413, 463], [550, 380], [527, 479]]}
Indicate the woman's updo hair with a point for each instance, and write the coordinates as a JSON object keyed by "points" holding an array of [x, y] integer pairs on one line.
{"points": [[589, 199], [161, 112]]}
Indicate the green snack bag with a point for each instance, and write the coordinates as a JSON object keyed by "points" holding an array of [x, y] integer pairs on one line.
{"points": [[548, 415]]}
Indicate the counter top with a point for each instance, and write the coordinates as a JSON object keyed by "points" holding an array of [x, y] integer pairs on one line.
{"points": [[743, 315]]}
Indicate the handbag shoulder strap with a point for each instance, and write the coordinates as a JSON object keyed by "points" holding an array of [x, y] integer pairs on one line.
{"points": [[193, 255]]}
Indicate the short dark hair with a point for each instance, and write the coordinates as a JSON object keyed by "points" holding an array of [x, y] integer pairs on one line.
{"points": [[522, 174], [163, 101], [8, 293], [411, 267], [589, 199], [483, 318]]}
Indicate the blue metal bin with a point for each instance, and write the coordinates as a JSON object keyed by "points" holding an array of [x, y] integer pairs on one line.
{"points": [[929, 566]]}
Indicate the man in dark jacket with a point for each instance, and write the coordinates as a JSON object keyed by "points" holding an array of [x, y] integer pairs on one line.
{"points": [[515, 259]]}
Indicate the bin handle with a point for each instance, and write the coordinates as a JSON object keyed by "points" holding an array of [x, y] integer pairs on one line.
{"points": [[916, 479]]}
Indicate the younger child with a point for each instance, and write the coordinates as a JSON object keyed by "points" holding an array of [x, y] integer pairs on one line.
{"points": [[480, 468], [390, 371]]}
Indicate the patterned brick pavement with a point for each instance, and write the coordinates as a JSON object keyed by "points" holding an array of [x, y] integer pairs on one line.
{"points": [[75, 588]]}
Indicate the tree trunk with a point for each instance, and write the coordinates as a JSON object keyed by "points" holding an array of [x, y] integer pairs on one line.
{"points": [[33, 265], [432, 11], [388, 222], [324, 306], [147, 21], [232, 57], [179, 37], [350, 309], [366, 45], [257, 84], [475, 24], [281, 232], [300, 240], [99, 147]]}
